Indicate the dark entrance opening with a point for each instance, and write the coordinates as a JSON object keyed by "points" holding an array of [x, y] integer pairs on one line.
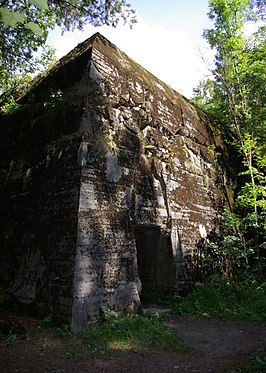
{"points": [[155, 262]]}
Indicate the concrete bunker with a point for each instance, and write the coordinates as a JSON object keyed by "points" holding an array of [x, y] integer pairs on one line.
{"points": [[110, 183]]}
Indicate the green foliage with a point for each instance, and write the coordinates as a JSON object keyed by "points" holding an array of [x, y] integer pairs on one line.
{"points": [[126, 333], [232, 254], [253, 194], [64, 331], [12, 338], [55, 100], [47, 321], [11, 107], [24, 27], [236, 93], [220, 299], [136, 333], [204, 96], [17, 78], [129, 333], [12, 19], [236, 96], [41, 4]]}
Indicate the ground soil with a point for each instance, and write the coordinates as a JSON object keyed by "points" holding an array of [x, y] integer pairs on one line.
{"points": [[217, 347]]}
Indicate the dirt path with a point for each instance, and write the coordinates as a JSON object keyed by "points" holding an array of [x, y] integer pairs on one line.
{"points": [[217, 346]]}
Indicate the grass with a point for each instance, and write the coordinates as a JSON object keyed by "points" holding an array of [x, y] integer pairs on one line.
{"points": [[138, 333], [219, 299]]}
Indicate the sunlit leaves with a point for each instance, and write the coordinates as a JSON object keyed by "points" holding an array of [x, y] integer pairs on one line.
{"points": [[24, 26], [34, 27], [236, 95], [41, 4], [10, 18], [239, 74]]}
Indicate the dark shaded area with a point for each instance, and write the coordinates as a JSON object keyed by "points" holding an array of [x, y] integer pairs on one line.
{"points": [[40, 178], [155, 262], [12, 328]]}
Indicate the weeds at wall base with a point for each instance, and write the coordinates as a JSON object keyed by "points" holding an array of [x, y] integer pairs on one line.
{"points": [[220, 299], [138, 333]]}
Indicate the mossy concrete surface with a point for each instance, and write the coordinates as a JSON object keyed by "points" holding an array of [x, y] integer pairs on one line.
{"points": [[109, 183]]}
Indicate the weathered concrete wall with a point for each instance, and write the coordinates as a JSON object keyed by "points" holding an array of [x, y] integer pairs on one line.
{"points": [[40, 181], [149, 166], [121, 166]]}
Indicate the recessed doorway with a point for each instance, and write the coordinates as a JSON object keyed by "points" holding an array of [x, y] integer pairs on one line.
{"points": [[156, 264]]}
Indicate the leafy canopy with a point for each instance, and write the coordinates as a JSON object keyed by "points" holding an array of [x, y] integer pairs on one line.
{"points": [[236, 92], [24, 27], [236, 96]]}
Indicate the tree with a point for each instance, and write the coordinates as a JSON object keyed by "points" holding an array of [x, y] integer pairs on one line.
{"points": [[237, 96], [24, 27]]}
